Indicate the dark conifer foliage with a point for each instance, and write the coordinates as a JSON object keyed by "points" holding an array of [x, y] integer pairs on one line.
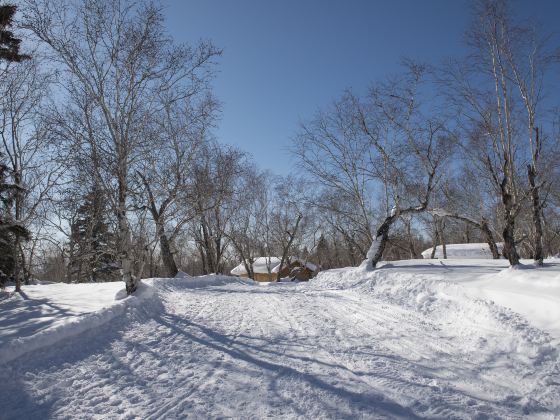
{"points": [[9, 44], [92, 242], [10, 230]]}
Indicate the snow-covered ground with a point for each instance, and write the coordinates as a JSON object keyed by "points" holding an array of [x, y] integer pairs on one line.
{"points": [[437, 339]]}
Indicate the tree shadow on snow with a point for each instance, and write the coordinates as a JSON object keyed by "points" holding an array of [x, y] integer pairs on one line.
{"points": [[222, 344]]}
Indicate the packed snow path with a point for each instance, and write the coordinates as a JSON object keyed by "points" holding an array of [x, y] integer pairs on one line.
{"points": [[284, 350]]}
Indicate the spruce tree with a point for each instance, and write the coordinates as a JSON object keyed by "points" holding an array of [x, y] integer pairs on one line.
{"points": [[92, 243], [9, 44], [10, 230]]}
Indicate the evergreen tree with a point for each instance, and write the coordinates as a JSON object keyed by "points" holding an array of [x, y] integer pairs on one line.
{"points": [[10, 230], [92, 244], [9, 44]]}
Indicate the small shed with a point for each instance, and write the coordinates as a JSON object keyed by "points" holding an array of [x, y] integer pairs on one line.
{"points": [[266, 269]]}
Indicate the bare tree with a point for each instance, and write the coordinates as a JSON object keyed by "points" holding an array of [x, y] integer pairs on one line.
{"points": [[220, 187], [288, 217], [116, 54], [502, 76], [411, 146], [336, 154], [167, 170], [249, 230], [28, 148]]}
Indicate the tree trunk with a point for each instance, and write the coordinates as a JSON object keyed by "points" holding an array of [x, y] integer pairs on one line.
{"points": [[166, 253], [434, 241], [379, 242], [442, 239], [126, 263], [537, 224], [286, 249], [411, 247], [17, 265], [202, 258], [490, 239], [125, 242], [510, 252], [467, 236], [208, 249]]}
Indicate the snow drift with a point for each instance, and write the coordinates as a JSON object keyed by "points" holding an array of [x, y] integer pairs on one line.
{"points": [[76, 311], [463, 251]]}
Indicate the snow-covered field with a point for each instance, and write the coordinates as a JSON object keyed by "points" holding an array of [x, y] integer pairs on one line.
{"points": [[421, 338]]}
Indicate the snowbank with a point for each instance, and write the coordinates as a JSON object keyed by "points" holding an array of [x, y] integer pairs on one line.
{"points": [[464, 251], [531, 293], [182, 275], [198, 282], [45, 314]]}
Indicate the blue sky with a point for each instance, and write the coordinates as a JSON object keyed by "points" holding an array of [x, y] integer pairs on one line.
{"points": [[285, 59]]}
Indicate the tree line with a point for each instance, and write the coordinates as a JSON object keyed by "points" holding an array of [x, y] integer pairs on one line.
{"points": [[110, 169]]}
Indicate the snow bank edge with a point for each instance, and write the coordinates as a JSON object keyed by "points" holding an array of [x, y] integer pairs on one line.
{"points": [[20, 346]]}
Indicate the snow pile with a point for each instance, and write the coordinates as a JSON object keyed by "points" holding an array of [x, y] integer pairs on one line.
{"points": [[208, 280], [464, 251], [455, 285], [463, 313], [182, 275], [45, 314], [534, 293], [483, 312], [341, 278], [265, 265]]}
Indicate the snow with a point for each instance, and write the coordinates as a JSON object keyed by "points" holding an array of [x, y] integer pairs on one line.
{"points": [[420, 338], [473, 250], [182, 275], [265, 265], [373, 248], [45, 314]]}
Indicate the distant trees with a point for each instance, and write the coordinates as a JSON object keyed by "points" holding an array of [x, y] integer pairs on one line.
{"points": [[222, 178]]}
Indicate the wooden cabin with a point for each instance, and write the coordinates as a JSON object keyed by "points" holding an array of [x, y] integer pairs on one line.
{"points": [[265, 269]]}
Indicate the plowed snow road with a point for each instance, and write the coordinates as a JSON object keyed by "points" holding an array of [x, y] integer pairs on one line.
{"points": [[292, 351]]}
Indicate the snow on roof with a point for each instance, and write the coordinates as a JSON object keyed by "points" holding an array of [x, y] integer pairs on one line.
{"points": [[265, 265], [469, 251]]}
